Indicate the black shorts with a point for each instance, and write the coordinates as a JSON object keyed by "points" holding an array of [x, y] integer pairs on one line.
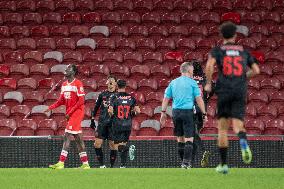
{"points": [[231, 104], [119, 136], [183, 122], [104, 132]]}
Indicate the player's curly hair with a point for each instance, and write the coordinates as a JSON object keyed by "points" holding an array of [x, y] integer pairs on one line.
{"points": [[74, 68], [228, 30], [112, 77], [198, 71]]}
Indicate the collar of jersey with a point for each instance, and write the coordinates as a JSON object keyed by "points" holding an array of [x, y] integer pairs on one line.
{"points": [[70, 82]]}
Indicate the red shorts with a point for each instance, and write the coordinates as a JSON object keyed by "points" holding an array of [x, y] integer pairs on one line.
{"points": [[74, 123]]}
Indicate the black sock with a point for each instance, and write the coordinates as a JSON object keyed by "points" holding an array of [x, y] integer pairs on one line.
{"points": [[123, 155], [194, 152], [187, 153], [113, 154], [100, 155], [223, 155], [181, 149], [242, 135]]}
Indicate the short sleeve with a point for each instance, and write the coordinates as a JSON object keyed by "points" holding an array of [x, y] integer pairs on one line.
{"points": [[196, 90], [213, 53], [80, 89], [169, 91], [251, 60]]}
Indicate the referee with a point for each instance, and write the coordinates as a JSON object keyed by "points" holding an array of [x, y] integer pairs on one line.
{"points": [[184, 91]]}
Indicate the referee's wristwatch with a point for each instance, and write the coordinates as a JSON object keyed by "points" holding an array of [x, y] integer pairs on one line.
{"points": [[204, 115]]}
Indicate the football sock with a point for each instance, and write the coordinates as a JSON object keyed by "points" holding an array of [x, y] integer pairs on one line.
{"points": [[188, 147], [181, 149], [243, 140], [113, 155], [123, 154], [223, 155], [84, 157], [100, 156], [63, 156]]}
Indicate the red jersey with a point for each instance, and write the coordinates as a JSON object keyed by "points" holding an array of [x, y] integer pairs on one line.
{"points": [[70, 97]]}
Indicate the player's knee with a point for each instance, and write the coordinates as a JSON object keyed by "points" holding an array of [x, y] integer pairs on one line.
{"points": [[122, 148]]}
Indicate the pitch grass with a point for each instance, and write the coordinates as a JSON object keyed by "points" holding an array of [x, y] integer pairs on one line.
{"points": [[141, 178]]}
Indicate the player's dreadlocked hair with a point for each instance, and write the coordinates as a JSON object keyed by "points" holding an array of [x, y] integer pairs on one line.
{"points": [[75, 69], [228, 30], [198, 71]]}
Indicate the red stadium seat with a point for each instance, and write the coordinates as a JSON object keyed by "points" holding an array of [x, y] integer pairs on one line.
{"points": [[91, 18], [125, 44], [20, 112], [79, 31], [45, 5], [258, 31], [258, 97], [13, 18], [111, 18], [278, 5], [163, 84], [119, 31], [251, 110], [84, 5], [110, 58], [261, 5], [138, 31], [158, 32], [32, 18], [143, 5], [139, 72], [130, 18], [4, 70], [58, 114], [59, 31], [92, 57], [146, 113], [131, 59], [153, 58], [123, 5], [242, 5], [89, 84], [254, 126], [178, 31], [106, 44], [160, 71], [274, 127], [86, 44], [139, 96], [145, 44], [7, 5], [57, 72], [268, 110], [64, 5], [98, 32], [253, 84], [120, 71], [151, 18], [4, 111], [99, 71], [26, 43], [191, 18], [18, 71], [40, 31], [7, 127], [166, 131], [265, 45], [231, 16], [4, 31], [170, 18], [186, 44], [132, 84], [53, 57], [8, 43], [33, 57], [147, 85], [46, 127], [250, 18], [50, 98], [165, 44], [27, 84], [270, 83], [72, 18], [32, 98], [248, 43], [198, 31], [104, 5], [13, 57], [46, 84], [163, 5], [266, 69], [72, 57], [277, 96], [26, 127], [8, 84], [274, 57], [66, 43], [154, 99], [222, 6], [25, 5], [182, 5], [46, 44], [210, 18]]}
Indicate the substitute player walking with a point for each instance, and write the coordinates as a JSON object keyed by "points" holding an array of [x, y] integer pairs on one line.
{"points": [[231, 89], [72, 96], [122, 107], [103, 131]]}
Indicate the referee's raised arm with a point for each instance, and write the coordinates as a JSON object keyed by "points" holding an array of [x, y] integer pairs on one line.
{"points": [[183, 91]]}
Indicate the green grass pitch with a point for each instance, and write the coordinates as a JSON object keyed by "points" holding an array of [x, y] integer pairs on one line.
{"points": [[141, 178]]}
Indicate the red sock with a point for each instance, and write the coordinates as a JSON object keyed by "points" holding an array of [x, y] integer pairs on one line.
{"points": [[84, 157], [63, 156]]}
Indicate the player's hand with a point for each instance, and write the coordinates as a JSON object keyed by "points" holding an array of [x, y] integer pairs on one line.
{"points": [[67, 117], [208, 87], [163, 118], [93, 124]]}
